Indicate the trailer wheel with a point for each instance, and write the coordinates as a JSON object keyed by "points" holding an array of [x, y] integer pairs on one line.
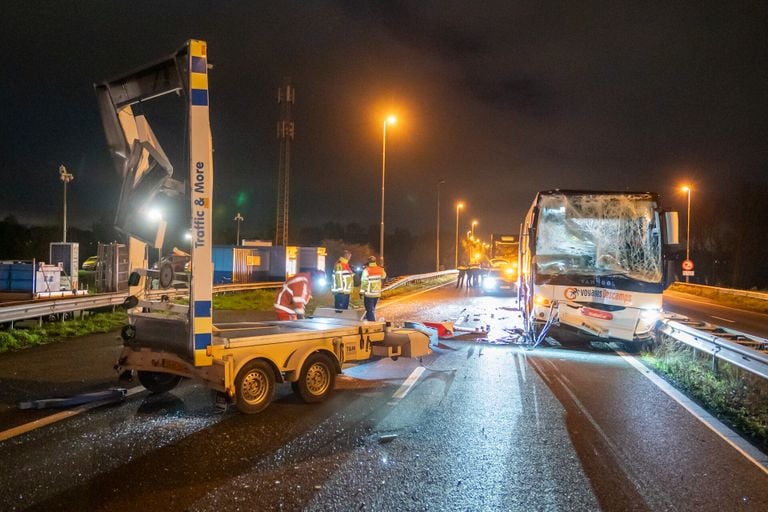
{"points": [[254, 387], [317, 379], [157, 382]]}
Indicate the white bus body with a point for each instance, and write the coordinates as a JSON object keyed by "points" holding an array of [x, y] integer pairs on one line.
{"points": [[594, 261]]}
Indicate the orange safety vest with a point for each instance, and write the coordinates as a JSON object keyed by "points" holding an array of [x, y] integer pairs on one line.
{"points": [[343, 278], [371, 280]]}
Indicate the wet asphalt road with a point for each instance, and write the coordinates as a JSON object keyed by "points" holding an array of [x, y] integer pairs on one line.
{"points": [[487, 426], [700, 308]]}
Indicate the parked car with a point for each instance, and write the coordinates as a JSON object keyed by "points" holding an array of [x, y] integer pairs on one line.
{"points": [[500, 280], [90, 263]]}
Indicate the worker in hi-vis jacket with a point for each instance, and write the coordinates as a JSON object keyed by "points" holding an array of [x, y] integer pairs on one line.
{"points": [[370, 287]]}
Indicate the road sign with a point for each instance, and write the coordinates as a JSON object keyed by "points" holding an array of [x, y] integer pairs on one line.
{"points": [[687, 272], [687, 265]]}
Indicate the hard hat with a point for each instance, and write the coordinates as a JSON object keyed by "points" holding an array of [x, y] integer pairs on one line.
{"points": [[371, 259]]}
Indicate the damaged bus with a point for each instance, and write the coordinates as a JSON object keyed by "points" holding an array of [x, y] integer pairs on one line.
{"points": [[594, 261]]}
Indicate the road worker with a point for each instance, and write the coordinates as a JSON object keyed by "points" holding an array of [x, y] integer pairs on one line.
{"points": [[343, 281], [462, 268], [293, 297], [370, 287]]}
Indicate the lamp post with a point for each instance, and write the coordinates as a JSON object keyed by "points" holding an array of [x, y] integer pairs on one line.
{"points": [[238, 219], [474, 223], [459, 206], [437, 235], [65, 177], [687, 189], [388, 120]]}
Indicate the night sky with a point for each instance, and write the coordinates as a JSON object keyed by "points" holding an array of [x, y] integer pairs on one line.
{"points": [[501, 99]]}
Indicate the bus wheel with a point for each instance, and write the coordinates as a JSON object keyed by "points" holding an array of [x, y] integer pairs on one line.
{"points": [[254, 387], [316, 380], [157, 382], [634, 347]]}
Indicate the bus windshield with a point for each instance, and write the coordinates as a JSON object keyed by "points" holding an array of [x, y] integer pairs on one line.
{"points": [[600, 235]]}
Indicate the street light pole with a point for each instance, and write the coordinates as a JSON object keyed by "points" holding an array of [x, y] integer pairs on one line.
{"points": [[65, 177], [437, 236], [388, 120], [474, 223], [459, 206], [238, 219], [688, 228]]}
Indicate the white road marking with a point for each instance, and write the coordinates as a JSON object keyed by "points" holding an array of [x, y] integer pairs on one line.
{"points": [[406, 386], [751, 453], [54, 418], [723, 319]]}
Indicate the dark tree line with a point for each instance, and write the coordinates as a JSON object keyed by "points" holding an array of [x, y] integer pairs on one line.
{"points": [[729, 244]]}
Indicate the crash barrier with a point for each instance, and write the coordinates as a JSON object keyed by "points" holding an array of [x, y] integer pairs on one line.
{"points": [[726, 291], [43, 308], [403, 280], [745, 351]]}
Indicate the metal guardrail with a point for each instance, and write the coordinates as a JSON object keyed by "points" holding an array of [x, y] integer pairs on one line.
{"points": [[748, 352], [43, 308], [728, 291], [397, 282], [240, 287]]}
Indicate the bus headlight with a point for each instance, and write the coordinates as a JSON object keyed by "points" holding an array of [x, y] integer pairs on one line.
{"points": [[650, 315], [489, 283], [542, 301]]}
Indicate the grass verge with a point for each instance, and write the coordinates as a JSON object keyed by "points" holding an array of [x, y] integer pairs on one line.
{"points": [[736, 397], [13, 339]]}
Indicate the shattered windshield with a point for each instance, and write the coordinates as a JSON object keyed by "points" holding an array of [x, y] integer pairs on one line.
{"points": [[599, 234]]}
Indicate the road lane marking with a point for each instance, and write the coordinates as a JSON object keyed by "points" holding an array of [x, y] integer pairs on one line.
{"points": [[751, 453], [406, 386], [723, 319], [621, 457], [59, 416]]}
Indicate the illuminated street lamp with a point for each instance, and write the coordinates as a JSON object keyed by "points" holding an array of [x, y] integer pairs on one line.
{"points": [[437, 236], [65, 177], [459, 206], [474, 223], [238, 219], [388, 120], [687, 189]]}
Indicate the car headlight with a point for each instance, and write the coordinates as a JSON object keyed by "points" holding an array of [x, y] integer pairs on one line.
{"points": [[489, 283], [321, 282]]}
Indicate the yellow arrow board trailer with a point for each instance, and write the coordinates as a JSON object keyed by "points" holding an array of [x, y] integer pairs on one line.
{"points": [[165, 342]]}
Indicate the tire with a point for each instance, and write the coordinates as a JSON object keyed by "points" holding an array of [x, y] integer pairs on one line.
{"points": [[157, 382], [254, 387], [634, 347], [318, 376]]}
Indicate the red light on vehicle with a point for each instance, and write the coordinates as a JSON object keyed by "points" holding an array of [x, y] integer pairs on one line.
{"points": [[596, 313]]}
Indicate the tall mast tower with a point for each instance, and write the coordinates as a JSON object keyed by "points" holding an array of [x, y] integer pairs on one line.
{"points": [[285, 132]]}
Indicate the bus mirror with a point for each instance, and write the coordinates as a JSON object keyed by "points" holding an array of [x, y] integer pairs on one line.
{"points": [[672, 232]]}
